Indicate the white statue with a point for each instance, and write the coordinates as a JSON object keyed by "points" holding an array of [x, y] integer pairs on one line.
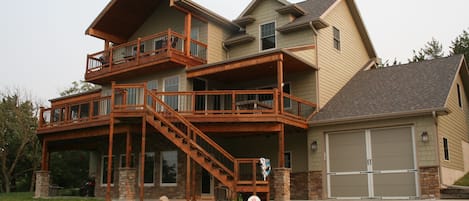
{"points": [[265, 166]]}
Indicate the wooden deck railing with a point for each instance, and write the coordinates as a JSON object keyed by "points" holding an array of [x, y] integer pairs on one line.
{"points": [[142, 51], [223, 102]]}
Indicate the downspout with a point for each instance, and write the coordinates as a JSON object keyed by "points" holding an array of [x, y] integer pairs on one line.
{"points": [[227, 52], [437, 141], [315, 32]]}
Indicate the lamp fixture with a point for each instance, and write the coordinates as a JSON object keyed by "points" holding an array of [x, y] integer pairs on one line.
{"points": [[314, 145], [425, 136]]}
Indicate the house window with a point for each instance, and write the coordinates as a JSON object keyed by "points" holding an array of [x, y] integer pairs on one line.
{"points": [[459, 95], [123, 161], [267, 98], [134, 49], [336, 38], [171, 85], [287, 157], [168, 167], [446, 148], [149, 169], [268, 39], [104, 171]]}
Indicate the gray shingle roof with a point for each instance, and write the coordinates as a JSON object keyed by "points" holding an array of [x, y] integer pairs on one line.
{"points": [[393, 90], [314, 9]]}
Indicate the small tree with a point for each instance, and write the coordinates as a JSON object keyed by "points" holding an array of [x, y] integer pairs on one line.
{"points": [[18, 123], [79, 87], [433, 49]]}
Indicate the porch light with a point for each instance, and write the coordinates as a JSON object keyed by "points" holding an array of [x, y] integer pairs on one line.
{"points": [[314, 146], [424, 136]]}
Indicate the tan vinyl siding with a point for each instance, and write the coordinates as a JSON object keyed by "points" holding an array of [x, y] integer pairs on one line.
{"points": [[307, 55], [265, 13], [454, 127], [161, 19], [337, 67], [267, 146], [215, 51], [426, 152], [303, 85]]}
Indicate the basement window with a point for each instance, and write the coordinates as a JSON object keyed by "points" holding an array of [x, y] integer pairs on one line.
{"points": [[168, 168], [149, 169], [104, 162]]}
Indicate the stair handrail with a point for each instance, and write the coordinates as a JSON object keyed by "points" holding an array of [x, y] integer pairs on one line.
{"points": [[193, 129]]}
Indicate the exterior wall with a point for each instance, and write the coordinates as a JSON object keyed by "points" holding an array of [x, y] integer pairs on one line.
{"points": [[215, 50], [338, 67], [429, 180], [162, 18], [265, 13], [249, 147], [155, 143], [426, 152], [308, 55], [455, 128]]}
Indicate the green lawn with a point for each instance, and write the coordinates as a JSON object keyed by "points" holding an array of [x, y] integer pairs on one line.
{"points": [[463, 181], [29, 197]]}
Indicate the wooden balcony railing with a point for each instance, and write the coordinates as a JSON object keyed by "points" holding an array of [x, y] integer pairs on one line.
{"points": [[134, 97], [144, 51]]}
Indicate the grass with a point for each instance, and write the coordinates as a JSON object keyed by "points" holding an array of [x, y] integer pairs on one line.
{"points": [[463, 181], [28, 196]]}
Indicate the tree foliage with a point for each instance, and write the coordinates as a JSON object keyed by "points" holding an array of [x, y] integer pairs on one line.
{"points": [[79, 87], [433, 49], [18, 141], [460, 45]]}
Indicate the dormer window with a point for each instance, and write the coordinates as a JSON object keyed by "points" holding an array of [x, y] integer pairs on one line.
{"points": [[267, 36], [336, 38]]}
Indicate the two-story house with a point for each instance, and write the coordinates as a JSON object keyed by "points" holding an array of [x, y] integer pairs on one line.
{"points": [[190, 102]]}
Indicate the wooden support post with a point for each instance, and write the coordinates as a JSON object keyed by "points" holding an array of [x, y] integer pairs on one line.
{"points": [[45, 156], [188, 27], [142, 157], [188, 177], [128, 150], [137, 55], [280, 82], [281, 146], [109, 158]]}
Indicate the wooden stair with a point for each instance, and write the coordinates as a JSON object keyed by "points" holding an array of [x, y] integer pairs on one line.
{"points": [[201, 148]]}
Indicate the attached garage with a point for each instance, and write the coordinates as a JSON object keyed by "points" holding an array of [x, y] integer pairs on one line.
{"points": [[372, 163]]}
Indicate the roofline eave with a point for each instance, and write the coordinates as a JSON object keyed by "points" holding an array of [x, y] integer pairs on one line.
{"points": [[376, 117]]}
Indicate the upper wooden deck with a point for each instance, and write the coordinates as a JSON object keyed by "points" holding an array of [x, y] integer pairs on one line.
{"points": [[232, 106], [158, 51]]}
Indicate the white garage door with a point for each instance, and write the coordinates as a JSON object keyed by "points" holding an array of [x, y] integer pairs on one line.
{"points": [[372, 163]]}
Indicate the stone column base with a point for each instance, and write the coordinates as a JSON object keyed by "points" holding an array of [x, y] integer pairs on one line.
{"points": [[429, 182], [127, 184], [42, 184], [282, 184]]}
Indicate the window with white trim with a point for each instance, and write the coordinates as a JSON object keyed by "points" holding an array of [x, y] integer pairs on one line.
{"points": [[267, 36], [168, 167], [336, 35], [171, 85], [104, 172], [446, 148]]}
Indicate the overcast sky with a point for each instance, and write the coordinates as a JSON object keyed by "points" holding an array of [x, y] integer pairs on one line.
{"points": [[43, 46]]}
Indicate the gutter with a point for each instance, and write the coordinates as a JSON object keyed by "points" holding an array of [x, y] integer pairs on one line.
{"points": [[374, 117]]}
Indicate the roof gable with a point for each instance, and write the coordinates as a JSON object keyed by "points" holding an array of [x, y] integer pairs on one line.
{"points": [[254, 4], [413, 87]]}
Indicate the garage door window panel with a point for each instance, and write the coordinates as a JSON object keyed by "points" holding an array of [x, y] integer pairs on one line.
{"points": [[347, 152]]}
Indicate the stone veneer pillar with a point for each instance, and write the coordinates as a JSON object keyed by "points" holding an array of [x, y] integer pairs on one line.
{"points": [[127, 184], [282, 184], [42, 184], [315, 185], [429, 182]]}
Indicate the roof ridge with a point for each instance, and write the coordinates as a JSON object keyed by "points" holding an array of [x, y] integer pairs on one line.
{"points": [[417, 63]]}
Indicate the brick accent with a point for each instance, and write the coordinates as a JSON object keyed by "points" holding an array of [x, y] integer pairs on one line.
{"points": [[299, 185], [42, 184], [282, 184], [429, 182], [127, 184], [315, 181]]}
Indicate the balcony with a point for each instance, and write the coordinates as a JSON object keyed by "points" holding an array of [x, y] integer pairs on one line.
{"points": [[228, 106], [158, 51]]}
